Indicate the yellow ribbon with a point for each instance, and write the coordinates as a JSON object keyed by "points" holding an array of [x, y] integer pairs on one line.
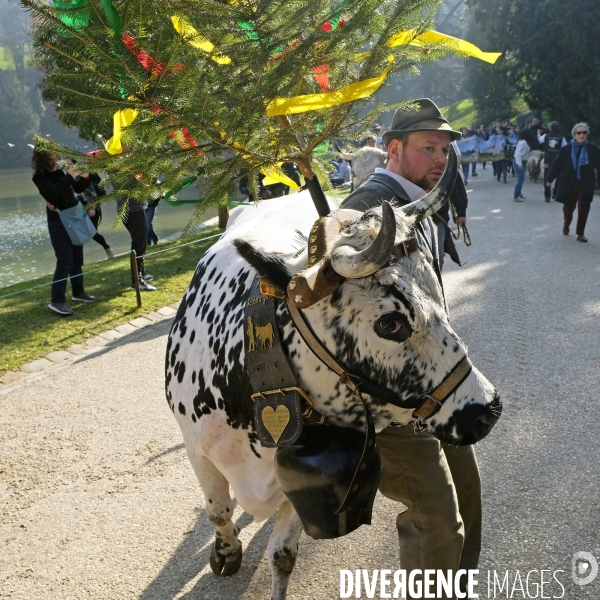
{"points": [[430, 36], [354, 91], [275, 175], [366, 87], [192, 37], [121, 119]]}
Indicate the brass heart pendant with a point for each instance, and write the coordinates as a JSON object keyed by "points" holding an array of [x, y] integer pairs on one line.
{"points": [[275, 421]]}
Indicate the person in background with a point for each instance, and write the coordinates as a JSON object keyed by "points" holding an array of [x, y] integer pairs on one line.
{"points": [[89, 195], [151, 236], [484, 135], [500, 166], [533, 133], [520, 163], [377, 130], [464, 165], [497, 124], [342, 173], [135, 222], [472, 130], [551, 144], [574, 167], [369, 142], [58, 183]]}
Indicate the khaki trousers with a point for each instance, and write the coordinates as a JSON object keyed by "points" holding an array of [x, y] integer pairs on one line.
{"points": [[441, 487]]}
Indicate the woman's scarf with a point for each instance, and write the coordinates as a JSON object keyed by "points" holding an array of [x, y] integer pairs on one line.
{"points": [[583, 156]]}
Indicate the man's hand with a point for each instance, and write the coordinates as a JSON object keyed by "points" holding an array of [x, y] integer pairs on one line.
{"points": [[549, 184], [91, 212], [461, 221], [50, 206]]}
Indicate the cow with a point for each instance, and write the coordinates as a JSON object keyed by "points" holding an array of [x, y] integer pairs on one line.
{"points": [[534, 165], [385, 321], [364, 162]]}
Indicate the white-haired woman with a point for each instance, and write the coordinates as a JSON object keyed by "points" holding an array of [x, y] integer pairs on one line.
{"points": [[574, 167]]}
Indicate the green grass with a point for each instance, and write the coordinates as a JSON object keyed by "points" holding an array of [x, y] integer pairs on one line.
{"points": [[461, 113], [29, 330], [7, 62]]}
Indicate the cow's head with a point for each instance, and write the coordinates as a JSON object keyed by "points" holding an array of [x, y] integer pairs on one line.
{"points": [[364, 162], [383, 317]]}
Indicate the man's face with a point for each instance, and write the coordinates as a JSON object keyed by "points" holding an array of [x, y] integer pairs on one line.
{"points": [[422, 159], [370, 143]]}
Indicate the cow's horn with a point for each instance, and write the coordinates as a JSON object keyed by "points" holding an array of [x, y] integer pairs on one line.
{"points": [[347, 156], [437, 197], [351, 263]]}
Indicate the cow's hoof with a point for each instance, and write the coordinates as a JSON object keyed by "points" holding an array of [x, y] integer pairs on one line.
{"points": [[225, 564]]}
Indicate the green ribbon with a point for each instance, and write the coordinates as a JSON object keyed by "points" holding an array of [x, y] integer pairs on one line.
{"points": [[112, 16], [74, 14]]}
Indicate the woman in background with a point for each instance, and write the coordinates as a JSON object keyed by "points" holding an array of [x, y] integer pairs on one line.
{"points": [[58, 184], [574, 167]]}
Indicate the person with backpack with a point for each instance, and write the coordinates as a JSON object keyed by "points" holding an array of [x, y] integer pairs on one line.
{"points": [[551, 144]]}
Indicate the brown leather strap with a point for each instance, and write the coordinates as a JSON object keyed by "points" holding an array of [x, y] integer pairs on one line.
{"points": [[346, 378], [405, 248], [434, 401]]}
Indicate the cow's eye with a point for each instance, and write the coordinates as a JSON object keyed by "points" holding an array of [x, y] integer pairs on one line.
{"points": [[393, 326]]}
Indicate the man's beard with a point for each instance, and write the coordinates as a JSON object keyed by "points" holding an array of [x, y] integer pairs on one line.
{"points": [[424, 183]]}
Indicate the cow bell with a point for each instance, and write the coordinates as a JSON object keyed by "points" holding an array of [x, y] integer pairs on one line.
{"points": [[315, 473]]}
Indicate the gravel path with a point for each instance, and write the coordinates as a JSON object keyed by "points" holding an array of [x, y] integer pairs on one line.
{"points": [[98, 501]]}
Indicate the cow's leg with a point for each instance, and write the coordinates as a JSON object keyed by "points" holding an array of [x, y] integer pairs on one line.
{"points": [[226, 552], [283, 549]]}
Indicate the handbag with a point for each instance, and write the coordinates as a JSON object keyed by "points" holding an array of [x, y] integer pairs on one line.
{"points": [[77, 223]]}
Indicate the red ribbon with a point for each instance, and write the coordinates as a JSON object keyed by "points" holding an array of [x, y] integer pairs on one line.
{"points": [[149, 64]]}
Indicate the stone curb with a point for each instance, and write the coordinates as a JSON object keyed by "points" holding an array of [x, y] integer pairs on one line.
{"points": [[61, 358]]}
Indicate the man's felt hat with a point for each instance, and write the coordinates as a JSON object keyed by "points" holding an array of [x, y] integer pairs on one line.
{"points": [[426, 118]]}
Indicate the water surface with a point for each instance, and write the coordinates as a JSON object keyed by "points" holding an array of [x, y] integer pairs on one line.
{"points": [[25, 249]]}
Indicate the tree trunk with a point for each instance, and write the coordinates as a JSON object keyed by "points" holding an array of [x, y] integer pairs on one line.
{"points": [[223, 216]]}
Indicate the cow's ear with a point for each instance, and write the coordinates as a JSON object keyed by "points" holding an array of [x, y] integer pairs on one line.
{"points": [[268, 265]]}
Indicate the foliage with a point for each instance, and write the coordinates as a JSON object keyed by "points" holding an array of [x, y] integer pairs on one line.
{"points": [[273, 46], [461, 113], [552, 58], [30, 331], [20, 105]]}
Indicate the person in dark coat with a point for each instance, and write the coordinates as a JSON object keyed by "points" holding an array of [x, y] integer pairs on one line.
{"points": [[575, 169], [439, 484], [58, 183]]}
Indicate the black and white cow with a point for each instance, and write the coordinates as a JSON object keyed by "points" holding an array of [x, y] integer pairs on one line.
{"points": [[389, 326]]}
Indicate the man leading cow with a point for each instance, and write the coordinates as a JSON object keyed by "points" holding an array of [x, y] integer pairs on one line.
{"points": [[438, 483]]}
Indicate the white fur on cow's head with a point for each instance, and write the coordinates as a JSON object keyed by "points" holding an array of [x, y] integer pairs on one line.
{"points": [[364, 162], [390, 328]]}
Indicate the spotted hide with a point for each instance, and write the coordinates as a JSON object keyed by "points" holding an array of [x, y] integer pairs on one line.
{"points": [[390, 327]]}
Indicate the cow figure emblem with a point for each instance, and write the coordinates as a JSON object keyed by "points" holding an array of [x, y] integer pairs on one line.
{"points": [[385, 322]]}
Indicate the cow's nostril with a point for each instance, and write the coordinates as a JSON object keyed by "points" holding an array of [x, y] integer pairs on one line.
{"points": [[482, 426]]}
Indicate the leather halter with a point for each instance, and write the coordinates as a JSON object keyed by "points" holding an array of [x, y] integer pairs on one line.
{"points": [[431, 403]]}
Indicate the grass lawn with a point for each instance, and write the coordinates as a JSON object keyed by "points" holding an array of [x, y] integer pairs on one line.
{"points": [[461, 113], [29, 330]]}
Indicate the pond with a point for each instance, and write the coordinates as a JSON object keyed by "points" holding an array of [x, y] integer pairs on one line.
{"points": [[25, 249]]}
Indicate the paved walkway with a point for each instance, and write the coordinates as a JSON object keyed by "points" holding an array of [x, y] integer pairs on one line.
{"points": [[98, 500]]}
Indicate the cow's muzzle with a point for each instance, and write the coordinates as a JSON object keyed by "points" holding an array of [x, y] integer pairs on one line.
{"points": [[470, 424]]}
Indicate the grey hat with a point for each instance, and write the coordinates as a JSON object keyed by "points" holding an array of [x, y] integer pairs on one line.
{"points": [[427, 118]]}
